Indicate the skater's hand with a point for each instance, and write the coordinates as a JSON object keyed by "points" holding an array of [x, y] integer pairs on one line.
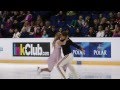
{"points": [[83, 51]]}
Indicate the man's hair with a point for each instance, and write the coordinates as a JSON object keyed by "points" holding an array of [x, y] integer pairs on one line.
{"points": [[64, 33]]}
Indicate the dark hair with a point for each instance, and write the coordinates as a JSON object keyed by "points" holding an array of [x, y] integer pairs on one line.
{"points": [[64, 33]]}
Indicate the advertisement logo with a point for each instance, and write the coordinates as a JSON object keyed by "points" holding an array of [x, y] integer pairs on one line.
{"points": [[31, 49], [100, 50], [93, 49]]}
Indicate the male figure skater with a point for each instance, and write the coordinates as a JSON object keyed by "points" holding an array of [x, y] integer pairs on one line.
{"points": [[68, 56]]}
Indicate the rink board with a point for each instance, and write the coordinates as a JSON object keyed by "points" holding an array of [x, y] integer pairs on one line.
{"points": [[73, 62], [100, 51]]}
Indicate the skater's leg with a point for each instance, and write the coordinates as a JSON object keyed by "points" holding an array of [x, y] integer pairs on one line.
{"points": [[60, 65]]}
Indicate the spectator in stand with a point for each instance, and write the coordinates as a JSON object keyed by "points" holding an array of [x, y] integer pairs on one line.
{"points": [[8, 24], [117, 18], [26, 26], [116, 31], [38, 33], [16, 33], [32, 29], [15, 15], [77, 23], [31, 33], [3, 31], [95, 25], [111, 24], [60, 30], [52, 32], [100, 16], [45, 35], [89, 20], [111, 17], [68, 31], [28, 16], [108, 32], [61, 16], [71, 13], [39, 21], [15, 24], [103, 23], [48, 27], [26, 19], [10, 33], [77, 33], [100, 32], [85, 29], [80, 22], [21, 16], [91, 32]]}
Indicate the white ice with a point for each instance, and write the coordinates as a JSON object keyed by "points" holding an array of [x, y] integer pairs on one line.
{"points": [[29, 71]]}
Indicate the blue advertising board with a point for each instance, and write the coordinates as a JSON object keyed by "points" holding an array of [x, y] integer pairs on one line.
{"points": [[93, 49]]}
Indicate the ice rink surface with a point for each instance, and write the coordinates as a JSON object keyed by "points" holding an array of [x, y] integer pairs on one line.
{"points": [[29, 71]]}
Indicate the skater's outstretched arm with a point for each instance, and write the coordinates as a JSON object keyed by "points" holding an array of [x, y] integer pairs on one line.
{"points": [[77, 46]]}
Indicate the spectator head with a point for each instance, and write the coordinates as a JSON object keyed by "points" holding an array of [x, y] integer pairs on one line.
{"points": [[96, 21], [116, 26], [60, 29], [26, 23], [38, 31], [16, 30], [53, 28], [2, 26], [44, 32], [21, 12], [100, 28], [15, 21], [39, 18], [8, 20], [86, 24], [91, 30], [118, 14], [103, 20], [15, 12], [77, 30], [11, 30], [100, 15], [80, 17], [32, 23], [47, 23], [41, 24], [67, 30], [111, 14], [107, 29], [87, 18], [28, 12], [61, 12]]}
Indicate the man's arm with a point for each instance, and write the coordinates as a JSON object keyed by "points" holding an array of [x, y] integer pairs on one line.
{"points": [[75, 45], [78, 47]]}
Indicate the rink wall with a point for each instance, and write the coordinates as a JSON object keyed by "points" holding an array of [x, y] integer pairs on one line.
{"points": [[38, 50]]}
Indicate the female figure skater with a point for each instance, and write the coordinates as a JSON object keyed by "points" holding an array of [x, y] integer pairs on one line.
{"points": [[56, 55]]}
